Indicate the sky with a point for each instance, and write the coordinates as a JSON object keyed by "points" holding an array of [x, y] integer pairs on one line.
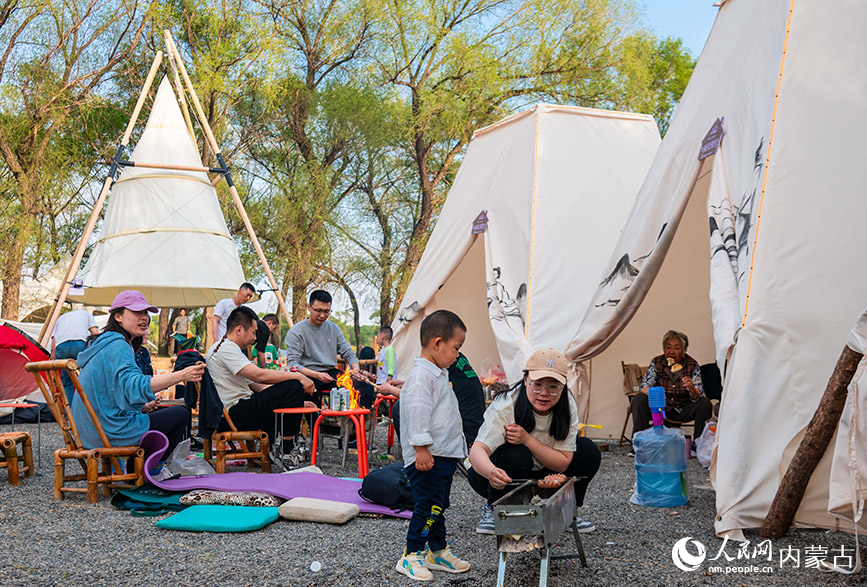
{"points": [[691, 20]]}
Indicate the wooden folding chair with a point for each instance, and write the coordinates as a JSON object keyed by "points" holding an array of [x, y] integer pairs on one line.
{"points": [[235, 444], [111, 475]]}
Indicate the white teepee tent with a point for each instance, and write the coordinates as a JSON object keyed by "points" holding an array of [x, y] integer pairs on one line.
{"points": [[783, 201], [555, 184], [163, 233]]}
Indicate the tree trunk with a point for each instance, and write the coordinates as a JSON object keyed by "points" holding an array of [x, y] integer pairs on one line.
{"points": [[356, 321], [163, 333], [209, 337], [813, 446], [299, 301], [386, 309], [12, 266]]}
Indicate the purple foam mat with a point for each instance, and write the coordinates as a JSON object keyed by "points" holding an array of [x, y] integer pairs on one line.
{"points": [[286, 486]]}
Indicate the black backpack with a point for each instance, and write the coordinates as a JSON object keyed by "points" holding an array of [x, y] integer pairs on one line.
{"points": [[388, 486]]}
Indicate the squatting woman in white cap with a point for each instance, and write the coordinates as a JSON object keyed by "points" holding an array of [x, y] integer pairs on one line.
{"points": [[531, 431]]}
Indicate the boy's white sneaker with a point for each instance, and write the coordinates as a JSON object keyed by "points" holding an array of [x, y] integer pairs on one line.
{"points": [[444, 560], [412, 565]]}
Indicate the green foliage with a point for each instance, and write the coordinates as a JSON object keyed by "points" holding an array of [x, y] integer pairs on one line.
{"points": [[345, 122], [652, 76]]}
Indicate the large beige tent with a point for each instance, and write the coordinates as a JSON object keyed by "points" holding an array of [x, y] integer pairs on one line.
{"points": [[775, 288], [550, 188]]}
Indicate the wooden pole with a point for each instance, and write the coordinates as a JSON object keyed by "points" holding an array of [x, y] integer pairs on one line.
{"points": [[179, 91], [813, 446], [169, 166], [173, 50], [57, 304]]}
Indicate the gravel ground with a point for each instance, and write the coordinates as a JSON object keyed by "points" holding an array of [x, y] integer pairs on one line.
{"points": [[69, 542]]}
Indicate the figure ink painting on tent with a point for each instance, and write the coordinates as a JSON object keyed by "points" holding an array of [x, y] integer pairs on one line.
{"points": [[730, 224], [504, 306]]}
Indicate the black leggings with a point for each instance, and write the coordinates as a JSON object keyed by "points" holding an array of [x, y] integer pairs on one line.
{"points": [[517, 461], [257, 411], [174, 422]]}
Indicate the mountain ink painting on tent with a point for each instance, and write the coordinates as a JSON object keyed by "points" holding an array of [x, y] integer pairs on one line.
{"points": [[624, 271]]}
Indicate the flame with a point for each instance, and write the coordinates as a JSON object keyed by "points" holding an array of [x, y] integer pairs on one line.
{"points": [[345, 381]]}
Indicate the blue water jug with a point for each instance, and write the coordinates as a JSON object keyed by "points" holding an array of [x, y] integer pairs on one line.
{"points": [[660, 467]]}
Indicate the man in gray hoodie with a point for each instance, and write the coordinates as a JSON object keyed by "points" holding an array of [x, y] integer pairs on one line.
{"points": [[314, 344]]}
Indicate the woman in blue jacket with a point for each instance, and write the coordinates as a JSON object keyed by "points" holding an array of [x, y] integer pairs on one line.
{"points": [[121, 395]]}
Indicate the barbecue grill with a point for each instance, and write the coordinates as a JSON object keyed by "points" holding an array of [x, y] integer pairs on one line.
{"points": [[531, 518]]}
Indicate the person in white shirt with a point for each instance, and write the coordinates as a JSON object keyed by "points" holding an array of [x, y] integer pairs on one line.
{"points": [[69, 338], [529, 432], [249, 393], [224, 307], [433, 443]]}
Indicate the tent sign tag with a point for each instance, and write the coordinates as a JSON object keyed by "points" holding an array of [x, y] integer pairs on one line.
{"points": [[711, 141], [480, 224]]}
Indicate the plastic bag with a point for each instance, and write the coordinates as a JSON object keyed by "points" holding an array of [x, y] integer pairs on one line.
{"points": [[704, 445], [182, 463]]}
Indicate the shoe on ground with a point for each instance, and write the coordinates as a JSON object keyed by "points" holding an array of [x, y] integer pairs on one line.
{"points": [[412, 565], [583, 525], [444, 560], [486, 524], [292, 460]]}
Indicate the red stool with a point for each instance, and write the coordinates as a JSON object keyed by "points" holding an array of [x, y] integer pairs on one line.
{"points": [[357, 418], [282, 412], [389, 399]]}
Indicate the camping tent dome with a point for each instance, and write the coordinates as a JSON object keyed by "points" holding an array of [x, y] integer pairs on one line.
{"points": [[548, 190]]}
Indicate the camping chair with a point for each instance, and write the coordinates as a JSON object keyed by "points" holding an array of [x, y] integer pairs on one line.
{"points": [[182, 343], [111, 475], [233, 443], [632, 376]]}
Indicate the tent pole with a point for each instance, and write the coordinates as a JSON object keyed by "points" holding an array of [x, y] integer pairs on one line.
{"points": [[57, 304], [179, 90], [173, 50]]}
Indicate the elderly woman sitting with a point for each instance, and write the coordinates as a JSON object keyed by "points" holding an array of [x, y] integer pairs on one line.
{"points": [[680, 375]]}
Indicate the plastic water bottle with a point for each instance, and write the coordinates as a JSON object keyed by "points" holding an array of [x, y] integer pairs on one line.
{"points": [[660, 463]]}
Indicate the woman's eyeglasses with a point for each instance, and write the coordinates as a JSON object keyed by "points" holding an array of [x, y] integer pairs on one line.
{"points": [[549, 389]]}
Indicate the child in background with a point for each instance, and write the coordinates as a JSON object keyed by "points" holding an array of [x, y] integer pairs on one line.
{"points": [[433, 444], [386, 362]]}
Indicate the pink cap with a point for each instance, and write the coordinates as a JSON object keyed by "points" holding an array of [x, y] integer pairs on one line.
{"points": [[132, 300]]}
